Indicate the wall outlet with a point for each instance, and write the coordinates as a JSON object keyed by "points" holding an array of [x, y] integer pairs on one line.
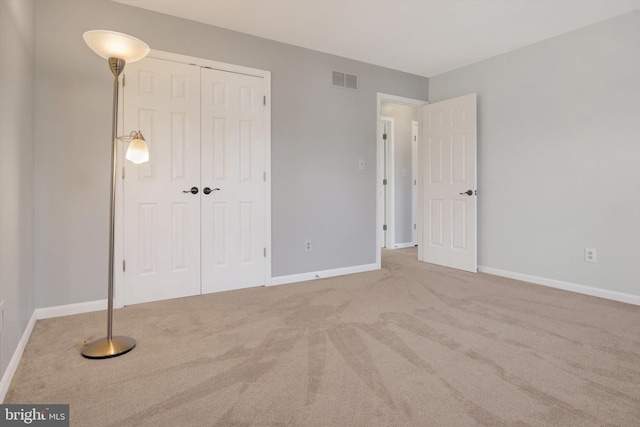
{"points": [[1, 331], [590, 255], [307, 245]]}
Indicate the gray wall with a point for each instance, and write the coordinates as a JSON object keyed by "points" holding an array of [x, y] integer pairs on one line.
{"points": [[318, 135], [17, 35], [559, 153], [402, 115]]}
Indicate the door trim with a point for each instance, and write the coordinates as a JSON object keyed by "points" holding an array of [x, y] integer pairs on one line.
{"points": [[389, 216], [119, 219], [415, 143], [380, 98]]}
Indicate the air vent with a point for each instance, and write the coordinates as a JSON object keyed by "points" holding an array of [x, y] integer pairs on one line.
{"points": [[350, 81], [345, 81]]}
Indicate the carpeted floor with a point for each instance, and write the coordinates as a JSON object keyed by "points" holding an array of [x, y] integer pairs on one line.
{"points": [[410, 345]]}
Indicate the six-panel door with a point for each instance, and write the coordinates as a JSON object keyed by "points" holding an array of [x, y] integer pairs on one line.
{"points": [[449, 183], [204, 129]]}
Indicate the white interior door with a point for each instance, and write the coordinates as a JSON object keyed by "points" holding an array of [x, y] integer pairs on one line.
{"points": [[205, 129], [233, 167], [448, 188], [161, 221]]}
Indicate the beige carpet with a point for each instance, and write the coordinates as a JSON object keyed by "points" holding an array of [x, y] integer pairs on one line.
{"points": [[410, 345]]}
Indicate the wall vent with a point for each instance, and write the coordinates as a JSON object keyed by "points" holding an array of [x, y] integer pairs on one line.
{"points": [[344, 80], [350, 81]]}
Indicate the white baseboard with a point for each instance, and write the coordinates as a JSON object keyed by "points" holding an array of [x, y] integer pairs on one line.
{"points": [[403, 245], [15, 359], [303, 277], [69, 309], [43, 313], [567, 286]]}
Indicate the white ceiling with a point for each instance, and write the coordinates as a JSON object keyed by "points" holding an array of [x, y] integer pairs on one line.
{"points": [[424, 37]]}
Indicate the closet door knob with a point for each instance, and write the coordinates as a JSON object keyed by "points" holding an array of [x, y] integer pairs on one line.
{"points": [[208, 190], [194, 190]]}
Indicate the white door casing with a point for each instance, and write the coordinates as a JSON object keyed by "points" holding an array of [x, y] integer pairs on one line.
{"points": [[414, 181], [387, 124], [448, 158], [233, 152], [161, 222]]}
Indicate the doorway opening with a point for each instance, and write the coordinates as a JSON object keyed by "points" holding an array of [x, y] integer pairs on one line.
{"points": [[397, 172]]}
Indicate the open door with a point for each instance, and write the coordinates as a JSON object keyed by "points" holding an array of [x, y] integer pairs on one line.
{"points": [[448, 191]]}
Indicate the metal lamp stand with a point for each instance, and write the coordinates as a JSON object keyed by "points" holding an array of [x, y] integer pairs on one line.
{"points": [[111, 346]]}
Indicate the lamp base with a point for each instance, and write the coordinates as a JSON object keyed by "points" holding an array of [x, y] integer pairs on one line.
{"points": [[104, 348]]}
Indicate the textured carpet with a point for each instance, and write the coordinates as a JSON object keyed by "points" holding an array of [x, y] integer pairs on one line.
{"points": [[412, 344]]}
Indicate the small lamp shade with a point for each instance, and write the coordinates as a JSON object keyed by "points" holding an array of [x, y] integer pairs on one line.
{"points": [[138, 152], [111, 44]]}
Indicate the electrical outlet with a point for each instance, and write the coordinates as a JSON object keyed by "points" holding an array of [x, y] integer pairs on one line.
{"points": [[1, 319], [307, 245], [590, 255], [1, 331]]}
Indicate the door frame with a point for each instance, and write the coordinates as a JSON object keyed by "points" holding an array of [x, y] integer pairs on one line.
{"points": [[387, 163], [415, 144], [380, 98], [118, 275]]}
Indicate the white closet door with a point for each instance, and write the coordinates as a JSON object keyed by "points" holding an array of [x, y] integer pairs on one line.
{"points": [[161, 221], [449, 184], [233, 167]]}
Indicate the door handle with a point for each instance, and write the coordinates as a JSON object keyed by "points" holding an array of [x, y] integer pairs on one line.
{"points": [[468, 193], [208, 190], [194, 190]]}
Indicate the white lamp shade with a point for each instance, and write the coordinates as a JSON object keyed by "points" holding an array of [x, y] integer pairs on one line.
{"points": [[110, 44], [138, 152]]}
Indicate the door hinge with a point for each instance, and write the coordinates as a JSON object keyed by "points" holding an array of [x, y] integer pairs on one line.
{"points": [[384, 181], [123, 172], [124, 265], [264, 100], [384, 136], [414, 138], [414, 226], [264, 176], [124, 79], [384, 227], [265, 252]]}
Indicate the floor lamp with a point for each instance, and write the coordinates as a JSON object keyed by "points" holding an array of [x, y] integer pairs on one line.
{"points": [[118, 49]]}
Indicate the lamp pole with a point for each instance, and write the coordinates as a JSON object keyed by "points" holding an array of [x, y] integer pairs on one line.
{"points": [[111, 346]]}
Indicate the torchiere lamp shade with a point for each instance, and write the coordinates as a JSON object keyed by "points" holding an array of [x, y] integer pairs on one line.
{"points": [[111, 44]]}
